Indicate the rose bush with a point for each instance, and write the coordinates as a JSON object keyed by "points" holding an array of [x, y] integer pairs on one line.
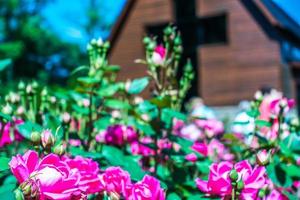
{"points": [[100, 139]]}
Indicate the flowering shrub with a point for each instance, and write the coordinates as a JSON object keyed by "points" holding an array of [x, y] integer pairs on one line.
{"points": [[101, 140]]}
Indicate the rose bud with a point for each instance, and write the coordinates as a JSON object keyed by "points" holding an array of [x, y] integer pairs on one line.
{"points": [[29, 189], [262, 157], [47, 139], [66, 118], [19, 194], [60, 149], [191, 157], [35, 138], [233, 175]]}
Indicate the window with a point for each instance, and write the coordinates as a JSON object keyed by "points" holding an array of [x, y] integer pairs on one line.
{"points": [[212, 29]]}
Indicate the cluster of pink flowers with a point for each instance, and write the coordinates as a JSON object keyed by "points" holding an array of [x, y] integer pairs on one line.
{"points": [[199, 129], [272, 106], [10, 133], [62, 178], [117, 135], [219, 182], [215, 150], [53, 177], [117, 183]]}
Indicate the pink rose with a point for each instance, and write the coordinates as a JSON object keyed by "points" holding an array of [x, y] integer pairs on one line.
{"points": [[159, 55], [211, 127], [219, 182], [215, 150], [191, 157], [114, 180], [200, 148], [8, 138], [119, 134], [75, 142], [52, 176], [146, 189], [89, 173], [140, 148]]}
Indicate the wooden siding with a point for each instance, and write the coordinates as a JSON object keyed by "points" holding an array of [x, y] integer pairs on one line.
{"points": [[234, 71]]}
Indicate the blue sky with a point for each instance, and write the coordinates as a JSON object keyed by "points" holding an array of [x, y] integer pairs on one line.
{"points": [[67, 18]]}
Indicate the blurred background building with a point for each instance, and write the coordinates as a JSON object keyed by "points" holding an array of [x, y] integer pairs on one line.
{"points": [[236, 46]]}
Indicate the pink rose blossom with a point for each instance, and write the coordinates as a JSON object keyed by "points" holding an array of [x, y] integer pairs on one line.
{"points": [[219, 182], [138, 148], [158, 55], [211, 127], [75, 142], [89, 173], [146, 189], [10, 133], [52, 176], [191, 157], [114, 180], [215, 150], [119, 134]]}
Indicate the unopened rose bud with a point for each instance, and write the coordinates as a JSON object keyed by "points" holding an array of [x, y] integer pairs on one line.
{"points": [[240, 185], [86, 102], [35, 137], [21, 85], [60, 150], [116, 114], [262, 157], [35, 85], [7, 109], [258, 95], [20, 110], [168, 31], [19, 194], [29, 89], [47, 139], [106, 45], [146, 40], [99, 42], [44, 92], [66, 118], [53, 99], [233, 175], [29, 189]]}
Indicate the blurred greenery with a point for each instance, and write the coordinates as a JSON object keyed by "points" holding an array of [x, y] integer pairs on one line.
{"points": [[31, 46]]}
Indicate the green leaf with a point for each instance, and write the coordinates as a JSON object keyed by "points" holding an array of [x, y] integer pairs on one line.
{"points": [[5, 63], [253, 113], [112, 68], [138, 85], [103, 123], [80, 68], [292, 170], [168, 115], [263, 123], [76, 151], [173, 196], [27, 128], [88, 80], [108, 90], [276, 172], [5, 116], [4, 163], [116, 104]]}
